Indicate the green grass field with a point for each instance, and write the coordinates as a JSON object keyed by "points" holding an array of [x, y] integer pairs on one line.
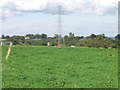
{"points": [[66, 67]]}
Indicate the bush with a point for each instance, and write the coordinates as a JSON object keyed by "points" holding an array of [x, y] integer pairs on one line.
{"points": [[98, 41]]}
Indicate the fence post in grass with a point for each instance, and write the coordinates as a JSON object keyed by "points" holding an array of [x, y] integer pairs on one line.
{"points": [[9, 50]]}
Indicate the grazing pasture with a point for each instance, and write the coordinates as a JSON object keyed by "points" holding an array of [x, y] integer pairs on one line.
{"points": [[66, 67]]}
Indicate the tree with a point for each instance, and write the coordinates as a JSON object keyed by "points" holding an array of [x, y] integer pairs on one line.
{"points": [[31, 36], [117, 37], [56, 36], [3, 36], [92, 36], [44, 36], [71, 35], [7, 37], [98, 41], [37, 36]]}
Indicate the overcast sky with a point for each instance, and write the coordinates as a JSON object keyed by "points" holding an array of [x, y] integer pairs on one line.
{"points": [[82, 17]]}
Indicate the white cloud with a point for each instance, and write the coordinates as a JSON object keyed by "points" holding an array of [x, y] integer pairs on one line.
{"points": [[100, 7], [31, 4]]}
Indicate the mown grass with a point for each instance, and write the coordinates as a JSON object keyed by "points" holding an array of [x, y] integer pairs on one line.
{"points": [[66, 67]]}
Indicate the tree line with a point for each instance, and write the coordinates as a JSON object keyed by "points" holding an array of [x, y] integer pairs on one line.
{"points": [[42, 39]]}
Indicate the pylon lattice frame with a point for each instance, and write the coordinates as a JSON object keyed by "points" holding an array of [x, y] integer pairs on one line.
{"points": [[59, 31]]}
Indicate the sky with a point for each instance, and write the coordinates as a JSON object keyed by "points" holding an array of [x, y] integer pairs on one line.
{"points": [[82, 17]]}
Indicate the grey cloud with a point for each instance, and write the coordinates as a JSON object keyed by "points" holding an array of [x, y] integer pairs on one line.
{"points": [[52, 8], [112, 11]]}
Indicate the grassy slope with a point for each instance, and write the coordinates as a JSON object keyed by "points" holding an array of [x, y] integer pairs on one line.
{"points": [[49, 67]]}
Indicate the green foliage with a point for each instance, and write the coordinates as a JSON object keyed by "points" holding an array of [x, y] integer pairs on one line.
{"points": [[71, 35], [71, 40], [117, 43], [118, 36], [31, 36], [42, 39], [96, 41], [66, 67], [43, 36], [36, 42], [92, 36], [3, 36]]}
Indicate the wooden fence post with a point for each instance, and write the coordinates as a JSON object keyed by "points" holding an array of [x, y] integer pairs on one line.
{"points": [[9, 50]]}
